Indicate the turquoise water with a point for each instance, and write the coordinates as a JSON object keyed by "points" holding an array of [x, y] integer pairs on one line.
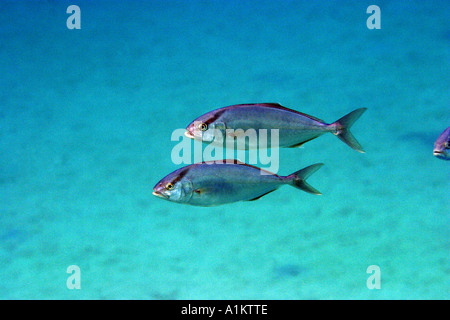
{"points": [[86, 118]]}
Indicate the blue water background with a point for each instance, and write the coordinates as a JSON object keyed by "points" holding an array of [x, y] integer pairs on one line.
{"points": [[86, 118]]}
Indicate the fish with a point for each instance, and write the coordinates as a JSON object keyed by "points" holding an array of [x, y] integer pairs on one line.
{"points": [[442, 145], [295, 128], [213, 183]]}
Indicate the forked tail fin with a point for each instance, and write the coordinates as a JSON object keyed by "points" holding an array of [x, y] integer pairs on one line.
{"points": [[298, 179], [343, 126]]}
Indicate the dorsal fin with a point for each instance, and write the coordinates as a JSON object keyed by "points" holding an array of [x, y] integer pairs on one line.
{"points": [[234, 161], [278, 106]]}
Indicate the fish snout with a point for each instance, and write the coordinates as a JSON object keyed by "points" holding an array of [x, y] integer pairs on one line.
{"points": [[439, 154], [190, 131], [160, 195], [188, 134], [159, 192]]}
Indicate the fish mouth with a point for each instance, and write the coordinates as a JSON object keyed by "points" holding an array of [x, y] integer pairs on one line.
{"points": [[160, 195], [188, 134], [438, 153]]}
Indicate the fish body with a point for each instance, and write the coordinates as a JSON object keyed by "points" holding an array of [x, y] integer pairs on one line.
{"points": [[442, 145], [295, 128], [214, 183]]}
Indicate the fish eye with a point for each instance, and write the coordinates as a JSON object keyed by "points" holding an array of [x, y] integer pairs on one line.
{"points": [[169, 186], [203, 126]]}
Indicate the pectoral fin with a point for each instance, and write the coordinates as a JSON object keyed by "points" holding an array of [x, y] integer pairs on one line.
{"points": [[236, 134]]}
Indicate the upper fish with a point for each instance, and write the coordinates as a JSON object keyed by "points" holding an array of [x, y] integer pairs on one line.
{"points": [[295, 128], [442, 145], [215, 183]]}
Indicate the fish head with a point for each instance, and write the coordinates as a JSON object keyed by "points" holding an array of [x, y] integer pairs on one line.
{"points": [[442, 145], [207, 128], [174, 187]]}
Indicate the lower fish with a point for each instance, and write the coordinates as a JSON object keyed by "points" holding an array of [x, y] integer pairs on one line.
{"points": [[216, 183], [442, 145], [294, 128]]}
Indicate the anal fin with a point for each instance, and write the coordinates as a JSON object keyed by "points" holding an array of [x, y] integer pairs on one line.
{"points": [[302, 143], [261, 195]]}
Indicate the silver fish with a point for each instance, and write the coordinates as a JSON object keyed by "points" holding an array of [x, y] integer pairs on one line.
{"points": [[212, 183], [295, 128], [442, 145]]}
